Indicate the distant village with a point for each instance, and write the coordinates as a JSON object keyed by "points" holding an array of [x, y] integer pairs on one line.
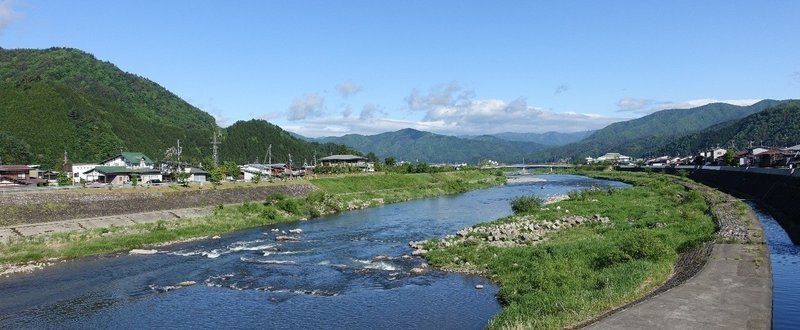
{"points": [[772, 157], [128, 168]]}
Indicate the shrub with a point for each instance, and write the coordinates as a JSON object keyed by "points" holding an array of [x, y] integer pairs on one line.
{"points": [[643, 244], [269, 213], [272, 199], [526, 204], [292, 206]]}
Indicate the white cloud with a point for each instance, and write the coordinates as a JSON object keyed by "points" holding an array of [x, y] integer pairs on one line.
{"points": [[645, 106], [442, 95], [307, 106], [7, 14], [369, 111], [348, 88]]}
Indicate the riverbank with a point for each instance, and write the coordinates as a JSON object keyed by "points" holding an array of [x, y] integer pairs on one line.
{"points": [[332, 195], [579, 270]]}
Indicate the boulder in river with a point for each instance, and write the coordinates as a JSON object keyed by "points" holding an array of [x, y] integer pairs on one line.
{"points": [[142, 252]]}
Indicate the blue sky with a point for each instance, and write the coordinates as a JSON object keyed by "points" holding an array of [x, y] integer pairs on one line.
{"points": [[452, 67]]}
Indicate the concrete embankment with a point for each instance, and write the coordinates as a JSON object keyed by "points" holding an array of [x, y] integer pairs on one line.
{"points": [[732, 291], [777, 190], [22, 209]]}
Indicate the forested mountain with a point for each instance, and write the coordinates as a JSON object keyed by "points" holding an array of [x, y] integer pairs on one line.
{"points": [[547, 138], [413, 145], [777, 126], [247, 142], [62, 99], [639, 137]]}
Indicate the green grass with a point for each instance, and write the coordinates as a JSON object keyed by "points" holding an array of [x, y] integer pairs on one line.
{"points": [[336, 194], [576, 274]]}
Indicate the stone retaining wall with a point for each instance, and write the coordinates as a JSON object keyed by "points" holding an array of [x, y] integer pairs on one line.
{"points": [[33, 208]]}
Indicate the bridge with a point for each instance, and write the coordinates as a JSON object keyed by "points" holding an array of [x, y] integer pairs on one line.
{"points": [[527, 166]]}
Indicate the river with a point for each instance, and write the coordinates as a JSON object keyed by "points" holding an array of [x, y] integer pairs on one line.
{"points": [[346, 271], [785, 260]]}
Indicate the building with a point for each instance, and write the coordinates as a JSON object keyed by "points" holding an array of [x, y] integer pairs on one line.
{"points": [[121, 174], [132, 160], [18, 175], [79, 170], [612, 157], [196, 174], [263, 170], [348, 160]]}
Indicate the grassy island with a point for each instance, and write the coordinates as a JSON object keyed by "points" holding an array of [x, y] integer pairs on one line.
{"points": [[329, 195], [570, 268]]}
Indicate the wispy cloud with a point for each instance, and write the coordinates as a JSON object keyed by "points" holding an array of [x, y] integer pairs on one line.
{"points": [[442, 95], [348, 88], [561, 89], [369, 111], [7, 14], [646, 106], [306, 106]]}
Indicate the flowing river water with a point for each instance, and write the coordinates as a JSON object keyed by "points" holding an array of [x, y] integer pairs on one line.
{"points": [[346, 271], [785, 261]]}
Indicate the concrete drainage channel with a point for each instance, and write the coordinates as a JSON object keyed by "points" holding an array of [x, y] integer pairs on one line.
{"points": [[12, 232]]}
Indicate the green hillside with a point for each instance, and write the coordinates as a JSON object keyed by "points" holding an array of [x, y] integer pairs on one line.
{"points": [[777, 126], [413, 145], [247, 142], [547, 138], [60, 99], [639, 137]]}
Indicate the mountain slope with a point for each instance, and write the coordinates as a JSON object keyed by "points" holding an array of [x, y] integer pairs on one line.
{"points": [[777, 126], [412, 145], [247, 142], [639, 136], [547, 138], [60, 99]]}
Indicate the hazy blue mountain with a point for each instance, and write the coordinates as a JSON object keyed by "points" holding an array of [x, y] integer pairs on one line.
{"points": [[547, 138], [413, 145]]}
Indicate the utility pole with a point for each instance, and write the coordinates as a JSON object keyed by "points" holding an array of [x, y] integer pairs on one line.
{"points": [[315, 158], [214, 155], [290, 165], [269, 164]]}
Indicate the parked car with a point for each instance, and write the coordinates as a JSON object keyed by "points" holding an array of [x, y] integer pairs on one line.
{"points": [[154, 181]]}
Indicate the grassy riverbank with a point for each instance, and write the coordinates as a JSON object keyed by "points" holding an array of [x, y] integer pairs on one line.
{"points": [[334, 194], [577, 273]]}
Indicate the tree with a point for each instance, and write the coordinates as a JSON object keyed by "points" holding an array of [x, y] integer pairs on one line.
{"points": [[729, 158], [230, 169], [372, 158], [256, 179], [182, 178], [390, 161], [216, 175], [134, 180], [63, 179]]}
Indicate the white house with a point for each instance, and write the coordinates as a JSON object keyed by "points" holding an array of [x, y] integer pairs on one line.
{"points": [[613, 157], [79, 172], [348, 160], [132, 160]]}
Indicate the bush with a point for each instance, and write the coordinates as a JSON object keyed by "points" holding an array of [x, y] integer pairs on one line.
{"points": [[291, 206], [272, 199], [644, 245], [526, 204], [609, 255], [269, 213]]}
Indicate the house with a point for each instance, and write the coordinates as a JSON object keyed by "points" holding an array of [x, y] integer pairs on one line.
{"points": [[18, 175], [196, 174], [130, 160], [713, 155], [78, 171], [613, 157], [263, 170], [121, 174], [348, 160]]}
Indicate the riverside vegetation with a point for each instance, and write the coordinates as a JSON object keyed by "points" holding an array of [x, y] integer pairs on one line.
{"points": [[625, 246], [333, 194]]}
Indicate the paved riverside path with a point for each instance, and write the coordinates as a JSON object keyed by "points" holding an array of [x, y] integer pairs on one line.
{"points": [[733, 291], [11, 232]]}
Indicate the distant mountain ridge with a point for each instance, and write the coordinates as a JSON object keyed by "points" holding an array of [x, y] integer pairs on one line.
{"points": [[547, 138], [639, 137], [413, 145], [776, 126]]}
